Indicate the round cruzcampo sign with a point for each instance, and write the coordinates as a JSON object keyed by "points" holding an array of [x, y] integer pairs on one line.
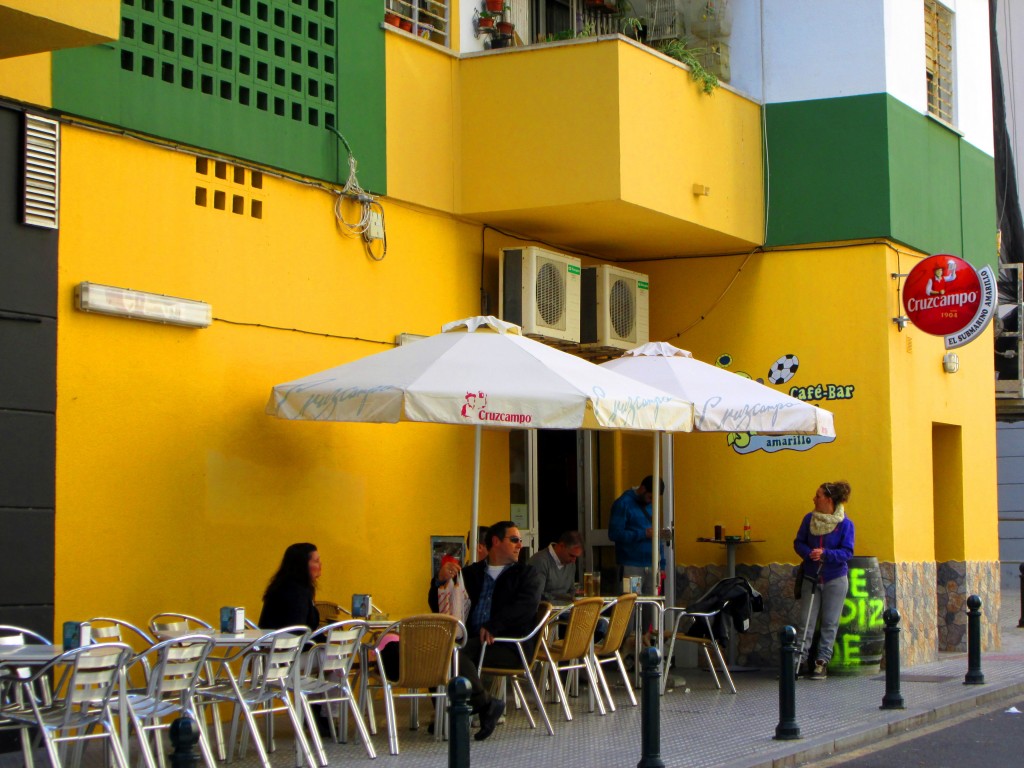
{"points": [[945, 296]]}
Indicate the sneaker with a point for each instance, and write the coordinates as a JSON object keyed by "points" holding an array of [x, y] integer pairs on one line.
{"points": [[820, 670], [489, 718]]}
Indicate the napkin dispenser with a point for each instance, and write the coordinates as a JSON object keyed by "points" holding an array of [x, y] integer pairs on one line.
{"points": [[232, 619], [77, 634], [361, 606]]}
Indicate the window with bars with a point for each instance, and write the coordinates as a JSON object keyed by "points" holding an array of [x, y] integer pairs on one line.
{"points": [[938, 41], [426, 18]]}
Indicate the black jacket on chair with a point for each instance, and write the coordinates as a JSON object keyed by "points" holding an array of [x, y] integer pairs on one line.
{"points": [[732, 597]]}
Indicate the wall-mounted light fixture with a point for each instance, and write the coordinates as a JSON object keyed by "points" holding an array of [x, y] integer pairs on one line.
{"points": [[951, 362], [139, 305], [701, 189], [901, 322]]}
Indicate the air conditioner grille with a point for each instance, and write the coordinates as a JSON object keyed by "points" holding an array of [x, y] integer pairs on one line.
{"points": [[622, 308], [42, 172], [551, 293]]}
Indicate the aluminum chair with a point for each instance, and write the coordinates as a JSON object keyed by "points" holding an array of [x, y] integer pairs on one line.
{"points": [[325, 681], [573, 651], [107, 630], [427, 658], [701, 615], [608, 651], [266, 669], [90, 677], [545, 615], [330, 612], [175, 667], [175, 622], [12, 695]]}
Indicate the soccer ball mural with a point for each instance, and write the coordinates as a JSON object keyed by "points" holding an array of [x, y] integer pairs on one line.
{"points": [[782, 370]]}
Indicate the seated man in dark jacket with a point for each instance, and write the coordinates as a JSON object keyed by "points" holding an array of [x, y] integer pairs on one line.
{"points": [[504, 595]]}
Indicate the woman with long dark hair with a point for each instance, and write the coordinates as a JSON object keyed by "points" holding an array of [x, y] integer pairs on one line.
{"points": [[288, 599]]}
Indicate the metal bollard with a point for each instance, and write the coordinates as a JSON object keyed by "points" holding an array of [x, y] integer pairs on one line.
{"points": [[650, 710], [892, 699], [787, 729], [184, 738], [459, 712], [1020, 622], [974, 675]]}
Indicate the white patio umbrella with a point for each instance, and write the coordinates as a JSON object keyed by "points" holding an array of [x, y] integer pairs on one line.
{"points": [[723, 401], [483, 372]]}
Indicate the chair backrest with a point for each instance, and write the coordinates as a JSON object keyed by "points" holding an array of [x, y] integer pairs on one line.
{"points": [[340, 646], [583, 618], [93, 673], [176, 622], [107, 630], [278, 656], [12, 635], [177, 666], [330, 612], [618, 625], [425, 650]]}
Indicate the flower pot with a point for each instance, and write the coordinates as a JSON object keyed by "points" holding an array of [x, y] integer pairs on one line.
{"points": [[391, 18], [486, 22], [405, 24], [506, 28], [495, 6], [501, 42]]}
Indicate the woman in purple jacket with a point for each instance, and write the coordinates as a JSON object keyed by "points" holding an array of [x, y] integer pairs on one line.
{"points": [[825, 542]]}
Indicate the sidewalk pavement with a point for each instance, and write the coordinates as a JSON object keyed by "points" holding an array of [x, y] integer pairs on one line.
{"points": [[702, 727]]}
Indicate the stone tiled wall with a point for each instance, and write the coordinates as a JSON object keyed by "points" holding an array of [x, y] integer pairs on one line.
{"points": [[931, 599], [957, 580]]}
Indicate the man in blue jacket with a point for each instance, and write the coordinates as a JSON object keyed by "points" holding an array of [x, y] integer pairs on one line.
{"points": [[631, 528]]}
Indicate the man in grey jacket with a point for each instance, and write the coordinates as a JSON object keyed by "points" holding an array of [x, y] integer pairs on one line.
{"points": [[557, 566]]}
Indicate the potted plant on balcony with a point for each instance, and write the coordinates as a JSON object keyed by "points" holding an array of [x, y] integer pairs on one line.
{"points": [[506, 28], [485, 20], [390, 17], [495, 6]]}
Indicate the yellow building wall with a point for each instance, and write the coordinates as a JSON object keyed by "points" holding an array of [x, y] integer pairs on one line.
{"points": [[27, 79], [423, 132], [832, 307], [33, 26], [174, 491], [576, 123]]}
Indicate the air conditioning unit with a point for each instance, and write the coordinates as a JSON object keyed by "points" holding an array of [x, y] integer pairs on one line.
{"points": [[615, 311], [540, 291]]}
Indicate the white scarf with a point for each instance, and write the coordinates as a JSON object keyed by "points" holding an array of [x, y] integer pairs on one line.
{"points": [[822, 524]]}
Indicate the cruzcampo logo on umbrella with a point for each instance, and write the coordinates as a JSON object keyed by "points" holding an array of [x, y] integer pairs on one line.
{"points": [[475, 408]]}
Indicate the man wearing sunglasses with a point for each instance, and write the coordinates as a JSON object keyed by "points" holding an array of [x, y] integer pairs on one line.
{"points": [[504, 595]]}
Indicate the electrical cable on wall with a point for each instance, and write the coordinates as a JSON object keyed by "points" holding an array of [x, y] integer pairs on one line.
{"points": [[369, 226]]}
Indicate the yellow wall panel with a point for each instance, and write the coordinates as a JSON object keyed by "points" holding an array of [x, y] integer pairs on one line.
{"points": [[34, 26], [174, 490], [27, 79], [422, 124]]}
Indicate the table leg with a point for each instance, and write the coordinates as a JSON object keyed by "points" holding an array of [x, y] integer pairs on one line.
{"points": [[730, 556]]}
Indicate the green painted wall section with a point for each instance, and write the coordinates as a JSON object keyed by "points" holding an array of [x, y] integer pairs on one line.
{"points": [[827, 170], [869, 166], [262, 80]]}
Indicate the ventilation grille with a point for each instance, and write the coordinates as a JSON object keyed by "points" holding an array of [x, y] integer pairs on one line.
{"points": [[42, 172], [551, 293], [622, 308]]}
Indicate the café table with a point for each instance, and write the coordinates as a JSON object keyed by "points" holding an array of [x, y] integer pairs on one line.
{"points": [[731, 543]]}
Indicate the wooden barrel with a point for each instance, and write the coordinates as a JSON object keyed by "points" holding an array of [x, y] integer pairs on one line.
{"points": [[860, 639]]}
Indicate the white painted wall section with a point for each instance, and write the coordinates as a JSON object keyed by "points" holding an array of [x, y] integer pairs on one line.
{"points": [[823, 49]]}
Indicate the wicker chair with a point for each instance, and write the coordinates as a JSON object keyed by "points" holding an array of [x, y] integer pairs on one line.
{"points": [[545, 614], [609, 649], [573, 651], [426, 657]]}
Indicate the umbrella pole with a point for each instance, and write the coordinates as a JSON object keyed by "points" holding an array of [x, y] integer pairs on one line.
{"points": [[475, 520], [656, 516]]}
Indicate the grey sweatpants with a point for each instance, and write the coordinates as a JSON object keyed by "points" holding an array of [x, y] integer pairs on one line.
{"points": [[828, 600]]}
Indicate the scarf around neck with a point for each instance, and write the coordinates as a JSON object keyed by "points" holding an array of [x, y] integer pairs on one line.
{"points": [[822, 524]]}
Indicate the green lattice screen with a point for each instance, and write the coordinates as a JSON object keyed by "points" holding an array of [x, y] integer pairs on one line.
{"points": [[257, 79]]}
